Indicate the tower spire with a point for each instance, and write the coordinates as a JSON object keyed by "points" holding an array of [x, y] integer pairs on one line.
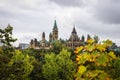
{"points": [[55, 25], [55, 31], [74, 30]]}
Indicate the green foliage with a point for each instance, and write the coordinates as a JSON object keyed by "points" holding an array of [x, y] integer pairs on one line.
{"points": [[83, 38], [5, 69], [6, 36], [15, 65], [36, 73], [50, 68], [21, 66], [96, 38], [88, 37], [37, 54], [59, 67], [115, 71], [56, 46], [94, 61]]}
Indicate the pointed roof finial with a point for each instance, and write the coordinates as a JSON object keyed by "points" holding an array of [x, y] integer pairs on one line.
{"points": [[74, 30], [43, 34], [55, 24]]}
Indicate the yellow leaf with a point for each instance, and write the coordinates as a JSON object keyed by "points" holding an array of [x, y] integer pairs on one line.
{"points": [[81, 69], [76, 52], [90, 48], [77, 59], [78, 56], [101, 47], [86, 56], [111, 54], [90, 41], [78, 49]]}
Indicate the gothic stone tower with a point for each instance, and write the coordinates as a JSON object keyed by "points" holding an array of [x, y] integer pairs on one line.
{"points": [[55, 31]]}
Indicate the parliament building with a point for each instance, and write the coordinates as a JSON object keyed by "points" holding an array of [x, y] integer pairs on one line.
{"points": [[73, 42]]}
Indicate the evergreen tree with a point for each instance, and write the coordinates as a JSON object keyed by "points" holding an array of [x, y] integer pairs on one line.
{"points": [[83, 38], [96, 38], [88, 37]]}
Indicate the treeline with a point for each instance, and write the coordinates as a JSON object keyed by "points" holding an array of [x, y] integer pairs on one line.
{"points": [[30, 64], [93, 60]]}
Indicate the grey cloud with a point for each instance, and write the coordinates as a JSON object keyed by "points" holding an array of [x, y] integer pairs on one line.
{"points": [[67, 2], [108, 11], [105, 31], [38, 16], [98, 28]]}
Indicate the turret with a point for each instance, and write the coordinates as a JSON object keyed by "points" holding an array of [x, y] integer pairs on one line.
{"points": [[50, 37], [35, 42], [43, 36], [31, 43]]}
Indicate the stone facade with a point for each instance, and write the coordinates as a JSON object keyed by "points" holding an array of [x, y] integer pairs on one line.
{"points": [[74, 41], [44, 44]]}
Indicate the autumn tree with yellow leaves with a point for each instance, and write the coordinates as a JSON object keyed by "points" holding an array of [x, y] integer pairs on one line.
{"points": [[96, 63]]}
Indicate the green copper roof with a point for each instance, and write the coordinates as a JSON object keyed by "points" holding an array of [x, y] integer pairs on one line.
{"points": [[55, 25]]}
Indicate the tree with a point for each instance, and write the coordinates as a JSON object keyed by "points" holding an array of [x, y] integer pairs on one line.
{"points": [[36, 73], [4, 67], [96, 38], [21, 66], [6, 36], [56, 46], [59, 67], [95, 62], [6, 52], [116, 71], [88, 37], [83, 38]]}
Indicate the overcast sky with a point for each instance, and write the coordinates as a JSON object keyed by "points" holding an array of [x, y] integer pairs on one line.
{"points": [[32, 17]]}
